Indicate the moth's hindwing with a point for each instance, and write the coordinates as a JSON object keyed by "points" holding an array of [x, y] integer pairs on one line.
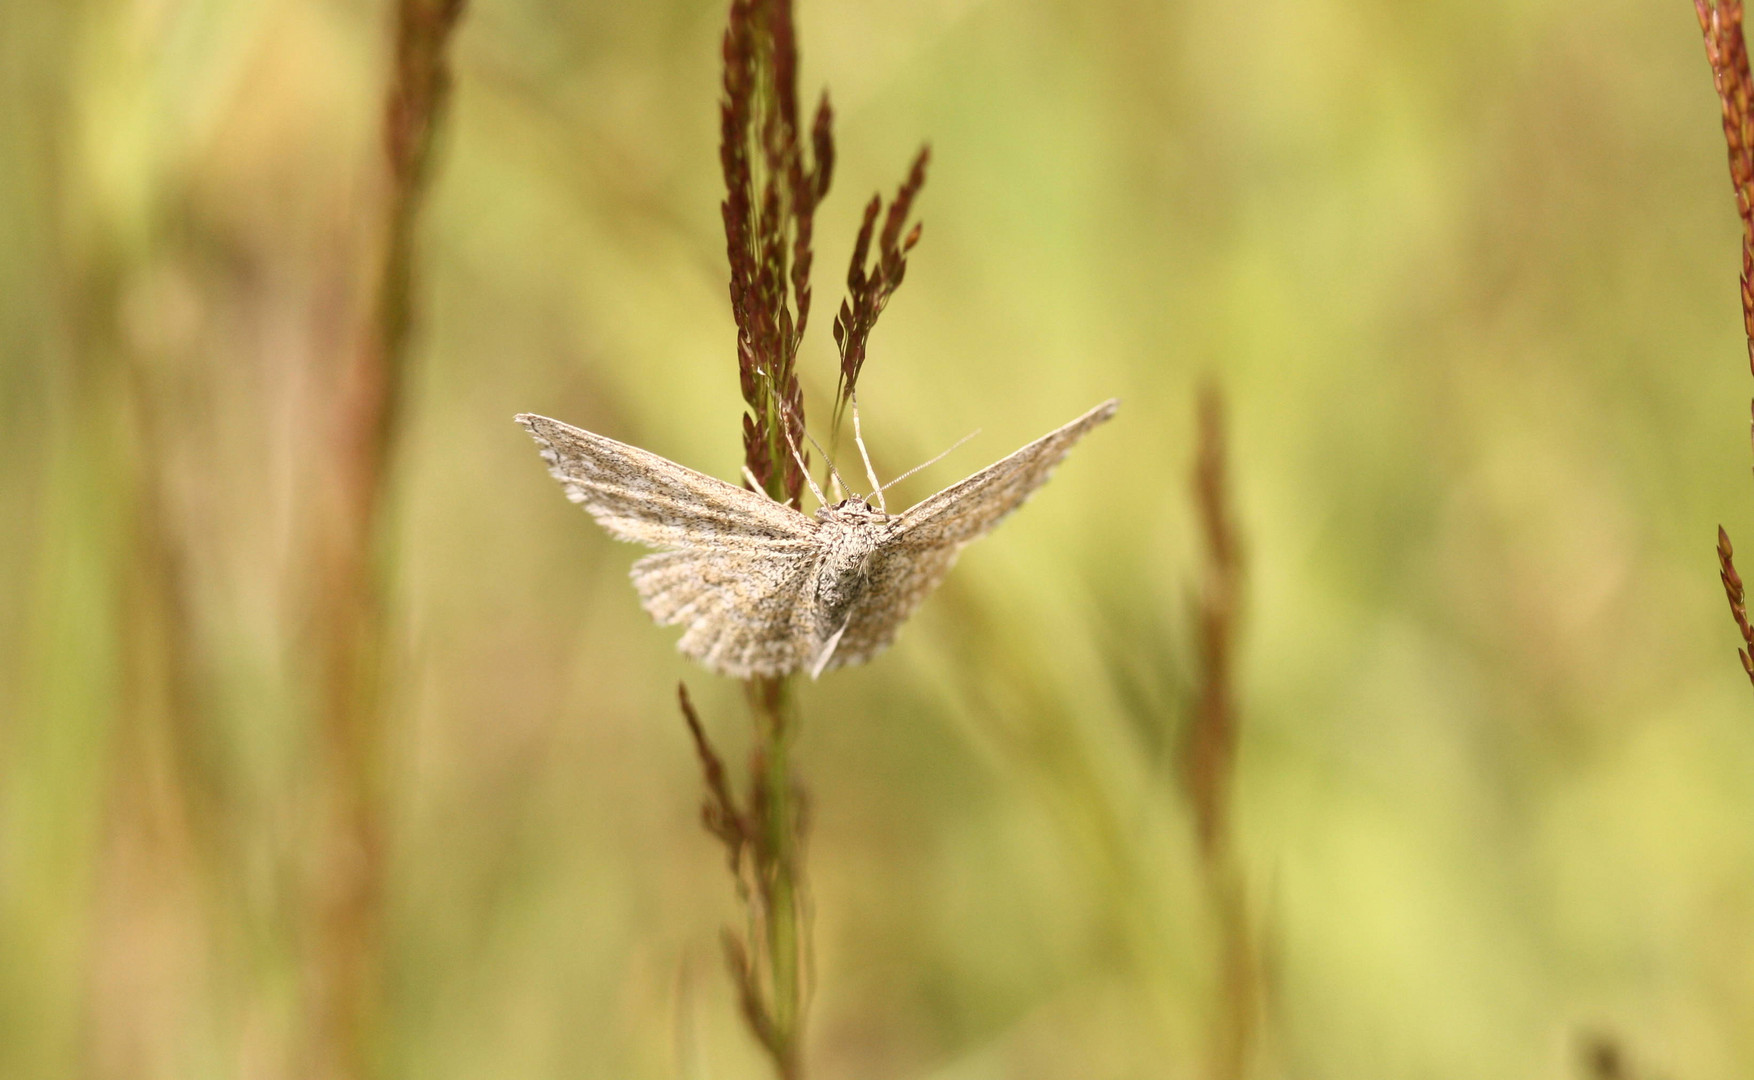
{"points": [[747, 613]]}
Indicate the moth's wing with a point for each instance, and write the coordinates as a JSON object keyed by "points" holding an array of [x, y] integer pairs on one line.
{"points": [[746, 610], [637, 495], [736, 568], [921, 550], [967, 510]]}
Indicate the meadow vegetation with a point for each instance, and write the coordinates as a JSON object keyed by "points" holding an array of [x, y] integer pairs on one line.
{"points": [[1358, 705]]}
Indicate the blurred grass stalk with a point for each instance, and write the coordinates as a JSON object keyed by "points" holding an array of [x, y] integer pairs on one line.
{"points": [[1726, 50], [348, 905], [1209, 764]]}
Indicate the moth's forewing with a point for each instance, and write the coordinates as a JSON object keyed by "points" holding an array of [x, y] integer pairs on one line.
{"points": [[639, 496], [966, 510]]}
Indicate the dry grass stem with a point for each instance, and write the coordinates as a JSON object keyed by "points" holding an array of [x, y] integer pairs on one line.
{"points": [[346, 965]]}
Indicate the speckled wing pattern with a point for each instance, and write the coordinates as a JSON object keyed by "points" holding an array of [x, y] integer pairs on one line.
{"points": [[735, 566], [920, 550]]}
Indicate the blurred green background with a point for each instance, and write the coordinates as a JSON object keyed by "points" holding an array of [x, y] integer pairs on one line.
{"points": [[1466, 272]]}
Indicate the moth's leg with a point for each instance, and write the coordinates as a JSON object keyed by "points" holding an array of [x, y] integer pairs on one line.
{"points": [[826, 652], [870, 473]]}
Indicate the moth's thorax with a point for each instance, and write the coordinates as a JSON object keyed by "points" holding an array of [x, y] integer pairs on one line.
{"points": [[851, 531]]}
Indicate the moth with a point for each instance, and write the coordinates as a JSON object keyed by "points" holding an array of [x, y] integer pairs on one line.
{"points": [[764, 589]]}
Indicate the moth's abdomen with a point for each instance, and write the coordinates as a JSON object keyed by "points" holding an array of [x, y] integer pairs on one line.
{"points": [[842, 579]]}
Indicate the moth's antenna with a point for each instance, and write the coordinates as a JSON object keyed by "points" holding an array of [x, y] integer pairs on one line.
{"points": [[826, 456], [830, 460], [870, 473], [935, 460], [786, 430]]}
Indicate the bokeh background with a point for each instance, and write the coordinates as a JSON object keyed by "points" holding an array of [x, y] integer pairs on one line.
{"points": [[1466, 272]]}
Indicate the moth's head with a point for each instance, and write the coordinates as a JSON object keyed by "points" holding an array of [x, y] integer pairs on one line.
{"points": [[852, 508]]}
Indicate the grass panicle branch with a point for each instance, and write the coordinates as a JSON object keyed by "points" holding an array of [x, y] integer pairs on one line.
{"points": [[346, 960], [718, 811], [1738, 599], [1210, 752], [869, 288], [1726, 50], [772, 188]]}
